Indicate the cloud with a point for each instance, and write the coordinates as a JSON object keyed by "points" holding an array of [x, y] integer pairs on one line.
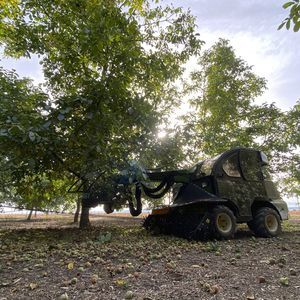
{"points": [[25, 67], [272, 58], [251, 27], [236, 14]]}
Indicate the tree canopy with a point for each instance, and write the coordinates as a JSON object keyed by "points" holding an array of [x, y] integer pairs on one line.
{"points": [[110, 68], [112, 71], [224, 88]]}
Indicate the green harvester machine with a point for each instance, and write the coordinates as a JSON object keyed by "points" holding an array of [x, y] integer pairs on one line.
{"points": [[210, 199]]}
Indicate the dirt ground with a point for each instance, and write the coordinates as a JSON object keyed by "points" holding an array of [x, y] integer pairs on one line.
{"points": [[50, 258]]}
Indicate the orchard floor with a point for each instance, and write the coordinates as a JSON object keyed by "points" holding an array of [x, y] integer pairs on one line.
{"points": [[49, 258]]}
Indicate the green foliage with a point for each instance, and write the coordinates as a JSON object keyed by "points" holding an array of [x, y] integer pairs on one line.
{"points": [[104, 238], [110, 68], [226, 116], [294, 15], [105, 42], [225, 87], [21, 153], [289, 143], [21, 117]]}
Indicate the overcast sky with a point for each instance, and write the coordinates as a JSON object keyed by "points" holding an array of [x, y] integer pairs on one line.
{"points": [[251, 26]]}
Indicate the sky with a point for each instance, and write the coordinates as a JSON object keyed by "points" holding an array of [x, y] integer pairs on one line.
{"points": [[251, 27]]}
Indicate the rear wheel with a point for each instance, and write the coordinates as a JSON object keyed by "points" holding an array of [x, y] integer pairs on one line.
{"points": [[266, 222], [223, 222]]}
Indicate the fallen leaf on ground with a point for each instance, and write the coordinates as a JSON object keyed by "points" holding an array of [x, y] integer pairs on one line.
{"points": [[33, 285], [70, 266]]}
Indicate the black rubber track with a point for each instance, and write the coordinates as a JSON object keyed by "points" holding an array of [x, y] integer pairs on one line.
{"points": [[191, 226]]}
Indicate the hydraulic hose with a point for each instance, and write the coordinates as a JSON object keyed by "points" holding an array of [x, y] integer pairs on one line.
{"points": [[138, 196], [161, 194], [156, 189], [164, 187]]}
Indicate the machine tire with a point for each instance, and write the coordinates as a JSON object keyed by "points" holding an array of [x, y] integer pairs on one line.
{"points": [[223, 222], [266, 222]]}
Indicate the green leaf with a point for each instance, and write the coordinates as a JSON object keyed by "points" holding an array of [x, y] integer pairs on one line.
{"points": [[47, 124], [31, 136], [3, 132], [104, 238], [60, 117], [288, 24], [296, 27], [296, 19], [66, 110], [280, 26], [287, 4]]}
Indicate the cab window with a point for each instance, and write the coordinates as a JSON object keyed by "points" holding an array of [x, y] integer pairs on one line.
{"points": [[208, 164], [250, 165], [231, 166]]}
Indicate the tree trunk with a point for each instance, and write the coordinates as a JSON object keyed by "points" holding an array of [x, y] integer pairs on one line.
{"points": [[85, 209], [29, 215], [84, 217], [78, 205]]}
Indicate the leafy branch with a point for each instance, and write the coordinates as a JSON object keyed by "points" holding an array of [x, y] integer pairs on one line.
{"points": [[294, 15]]}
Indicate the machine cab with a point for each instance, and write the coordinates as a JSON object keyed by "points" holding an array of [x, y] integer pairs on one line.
{"points": [[238, 175], [241, 163], [236, 163]]}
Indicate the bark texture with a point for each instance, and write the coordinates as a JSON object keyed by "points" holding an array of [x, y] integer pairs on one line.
{"points": [[76, 215], [84, 217]]}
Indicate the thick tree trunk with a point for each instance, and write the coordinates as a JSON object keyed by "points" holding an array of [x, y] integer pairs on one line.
{"points": [[29, 215], [78, 205], [84, 217]]}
